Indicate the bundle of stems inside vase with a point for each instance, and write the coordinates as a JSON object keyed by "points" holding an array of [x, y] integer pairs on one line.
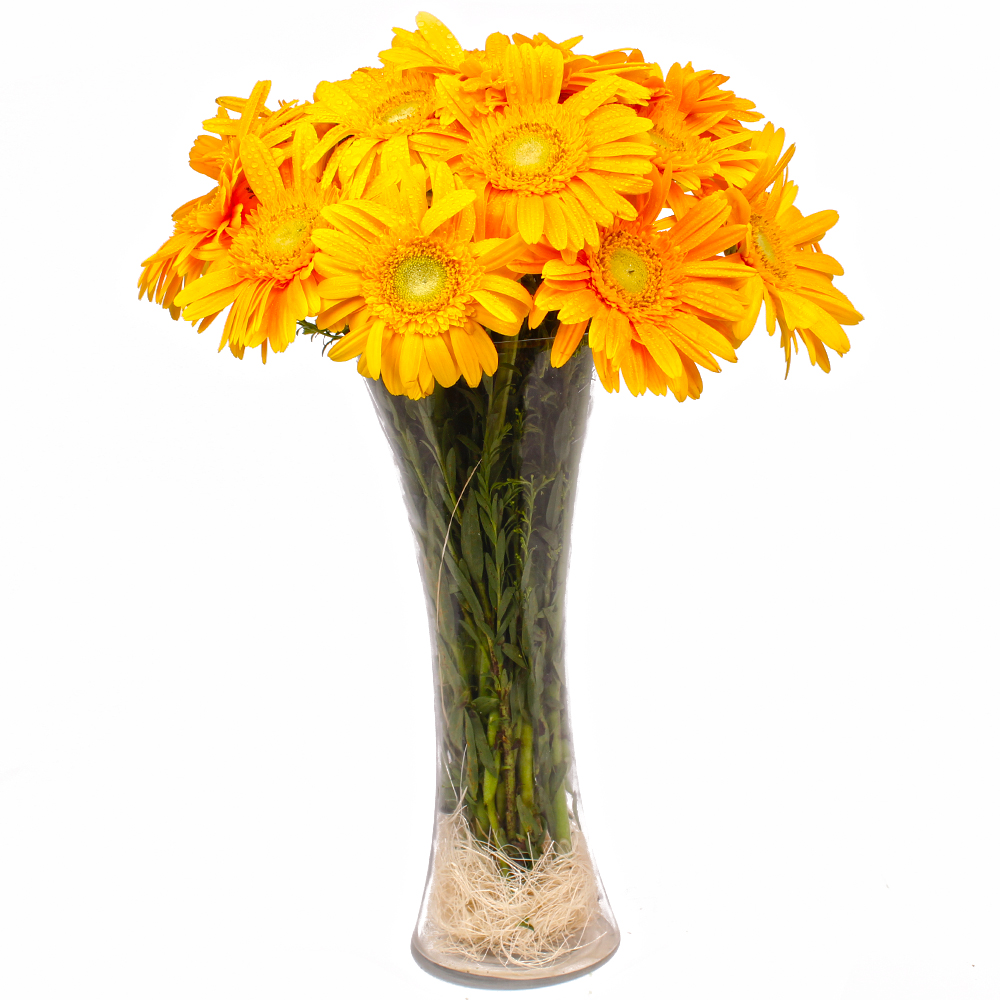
{"points": [[489, 478]]}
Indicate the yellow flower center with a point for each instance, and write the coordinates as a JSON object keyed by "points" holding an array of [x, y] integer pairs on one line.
{"points": [[535, 155], [532, 150], [680, 149], [401, 110], [286, 237], [768, 250], [667, 142], [629, 269], [275, 242], [419, 280], [421, 286], [526, 154]]}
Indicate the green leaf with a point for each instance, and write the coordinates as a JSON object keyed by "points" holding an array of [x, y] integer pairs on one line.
{"points": [[433, 516], [504, 602], [472, 540], [486, 520], [525, 635], [543, 752], [469, 594], [562, 439], [477, 637], [485, 704], [485, 753], [558, 777], [552, 615], [514, 654], [442, 489], [542, 801], [494, 579], [550, 538], [554, 507]]}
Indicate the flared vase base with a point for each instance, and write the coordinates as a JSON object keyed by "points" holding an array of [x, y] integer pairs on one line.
{"points": [[602, 941]]}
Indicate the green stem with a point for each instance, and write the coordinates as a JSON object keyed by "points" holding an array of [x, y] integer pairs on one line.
{"points": [[506, 453], [560, 823], [527, 765], [496, 418]]}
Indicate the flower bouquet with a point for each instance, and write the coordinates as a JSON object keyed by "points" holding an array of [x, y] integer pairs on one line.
{"points": [[482, 230]]}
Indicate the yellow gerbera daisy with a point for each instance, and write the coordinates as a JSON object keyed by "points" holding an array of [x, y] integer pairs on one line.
{"points": [[431, 47], [267, 274], [488, 79], [627, 65], [274, 128], [658, 303], [793, 277], [381, 121], [434, 48], [414, 286], [557, 170]]}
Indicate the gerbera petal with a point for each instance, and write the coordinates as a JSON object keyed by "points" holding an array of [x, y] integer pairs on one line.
{"points": [[812, 228], [633, 369], [444, 208], [260, 170], [567, 339], [577, 306], [343, 286], [507, 287], [818, 262], [534, 74], [530, 217], [334, 317], [500, 252], [411, 357], [662, 350], [350, 346], [373, 348], [212, 282], [700, 222], [484, 347], [466, 356], [441, 363], [555, 223]]}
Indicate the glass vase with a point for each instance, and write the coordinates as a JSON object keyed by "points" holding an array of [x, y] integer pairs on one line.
{"points": [[489, 474]]}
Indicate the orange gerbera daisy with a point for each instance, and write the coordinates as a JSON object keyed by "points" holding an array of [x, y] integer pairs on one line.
{"points": [[204, 227], [381, 122], [267, 274], [557, 170], [414, 287], [201, 230], [659, 303], [209, 155], [696, 96], [793, 278], [690, 159]]}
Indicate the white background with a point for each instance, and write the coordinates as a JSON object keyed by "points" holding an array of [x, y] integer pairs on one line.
{"points": [[216, 738]]}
